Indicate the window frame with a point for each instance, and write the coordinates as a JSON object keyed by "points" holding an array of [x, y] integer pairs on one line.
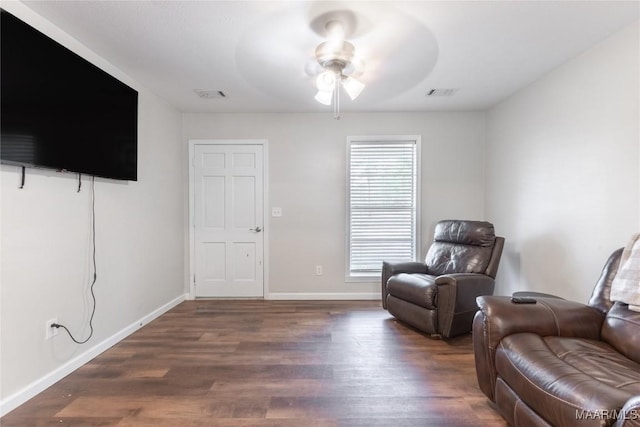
{"points": [[381, 139]]}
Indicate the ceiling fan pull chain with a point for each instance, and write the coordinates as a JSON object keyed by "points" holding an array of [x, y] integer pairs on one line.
{"points": [[336, 104]]}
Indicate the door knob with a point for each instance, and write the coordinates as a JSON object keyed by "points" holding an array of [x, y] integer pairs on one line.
{"points": [[257, 229]]}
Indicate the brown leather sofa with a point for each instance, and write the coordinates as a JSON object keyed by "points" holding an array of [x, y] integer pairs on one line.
{"points": [[559, 362], [438, 296]]}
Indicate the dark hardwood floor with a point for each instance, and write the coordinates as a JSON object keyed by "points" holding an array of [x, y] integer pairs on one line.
{"points": [[270, 363]]}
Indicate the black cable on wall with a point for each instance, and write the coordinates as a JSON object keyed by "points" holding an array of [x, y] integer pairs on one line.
{"points": [[95, 272]]}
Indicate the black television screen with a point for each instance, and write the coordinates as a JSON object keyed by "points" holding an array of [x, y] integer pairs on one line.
{"points": [[60, 111]]}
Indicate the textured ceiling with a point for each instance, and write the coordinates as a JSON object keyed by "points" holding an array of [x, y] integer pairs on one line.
{"points": [[260, 53]]}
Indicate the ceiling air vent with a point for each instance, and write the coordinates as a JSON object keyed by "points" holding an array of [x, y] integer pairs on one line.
{"points": [[442, 92], [210, 94]]}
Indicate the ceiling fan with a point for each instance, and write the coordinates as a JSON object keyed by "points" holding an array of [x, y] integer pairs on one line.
{"points": [[327, 48], [339, 63]]}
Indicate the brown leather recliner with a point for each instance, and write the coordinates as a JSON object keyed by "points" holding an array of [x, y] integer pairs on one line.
{"points": [[438, 296], [559, 362]]}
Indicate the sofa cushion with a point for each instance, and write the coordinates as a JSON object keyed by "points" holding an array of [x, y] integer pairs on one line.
{"points": [[558, 377], [620, 330], [419, 289]]}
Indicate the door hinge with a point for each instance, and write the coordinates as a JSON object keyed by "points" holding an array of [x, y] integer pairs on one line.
{"points": [[194, 279]]}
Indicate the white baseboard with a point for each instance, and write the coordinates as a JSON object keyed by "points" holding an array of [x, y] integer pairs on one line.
{"points": [[11, 402], [329, 296]]}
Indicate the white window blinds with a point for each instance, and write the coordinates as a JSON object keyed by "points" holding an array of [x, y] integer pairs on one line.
{"points": [[382, 202]]}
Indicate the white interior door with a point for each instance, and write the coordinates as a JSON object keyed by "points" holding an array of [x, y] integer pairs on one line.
{"points": [[228, 224]]}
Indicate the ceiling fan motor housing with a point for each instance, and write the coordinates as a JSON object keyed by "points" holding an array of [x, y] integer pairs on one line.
{"points": [[335, 56]]}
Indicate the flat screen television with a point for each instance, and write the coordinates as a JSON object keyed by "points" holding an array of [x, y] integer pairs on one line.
{"points": [[59, 111]]}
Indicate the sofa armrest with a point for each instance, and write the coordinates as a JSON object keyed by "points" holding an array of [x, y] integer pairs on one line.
{"points": [[457, 301], [630, 414], [549, 316], [391, 268], [498, 317]]}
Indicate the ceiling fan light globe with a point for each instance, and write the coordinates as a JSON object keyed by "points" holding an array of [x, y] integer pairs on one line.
{"points": [[353, 87], [326, 82], [324, 97]]}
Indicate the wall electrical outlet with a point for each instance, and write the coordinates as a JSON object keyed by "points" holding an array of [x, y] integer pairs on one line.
{"points": [[50, 331], [318, 270]]}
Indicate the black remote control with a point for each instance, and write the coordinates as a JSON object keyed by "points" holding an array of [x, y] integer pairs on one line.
{"points": [[523, 300]]}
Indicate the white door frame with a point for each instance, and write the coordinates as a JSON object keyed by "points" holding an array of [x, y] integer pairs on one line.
{"points": [[265, 147]]}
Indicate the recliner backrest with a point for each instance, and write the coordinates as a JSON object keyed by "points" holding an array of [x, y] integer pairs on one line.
{"points": [[461, 246]]}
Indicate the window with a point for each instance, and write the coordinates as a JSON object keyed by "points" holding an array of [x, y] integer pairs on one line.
{"points": [[382, 202]]}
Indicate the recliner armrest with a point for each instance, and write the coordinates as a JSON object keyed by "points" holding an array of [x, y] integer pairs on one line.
{"points": [[391, 268], [457, 294], [498, 317]]}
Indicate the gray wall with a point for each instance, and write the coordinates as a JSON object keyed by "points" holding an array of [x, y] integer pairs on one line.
{"points": [[46, 246], [562, 170], [307, 179]]}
